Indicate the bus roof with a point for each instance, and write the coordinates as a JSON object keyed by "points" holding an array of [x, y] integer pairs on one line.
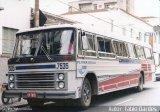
{"points": [[92, 29]]}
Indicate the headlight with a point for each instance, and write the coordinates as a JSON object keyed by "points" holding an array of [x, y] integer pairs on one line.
{"points": [[11, 85], [61, 85], [11, 77], [61, 76]]}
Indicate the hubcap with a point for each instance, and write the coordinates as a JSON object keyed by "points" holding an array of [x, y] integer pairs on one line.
{"points": [[141, 84], [86, 93], [6, 100]]}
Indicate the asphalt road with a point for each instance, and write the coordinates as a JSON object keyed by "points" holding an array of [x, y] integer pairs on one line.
{"points": [[111, 102]]}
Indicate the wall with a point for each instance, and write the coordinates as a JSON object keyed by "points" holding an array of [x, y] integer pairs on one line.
{"points": [[16, 14]]}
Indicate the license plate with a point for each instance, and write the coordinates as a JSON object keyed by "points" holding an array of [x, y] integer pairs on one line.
{"points": [[31, 95]]}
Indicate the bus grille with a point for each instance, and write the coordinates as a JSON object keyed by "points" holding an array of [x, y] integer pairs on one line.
{"points": [[35, 81]]}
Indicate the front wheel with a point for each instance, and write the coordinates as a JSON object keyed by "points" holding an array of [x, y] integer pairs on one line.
{"points": [[5, 100], [86, 95], [140, 84]]}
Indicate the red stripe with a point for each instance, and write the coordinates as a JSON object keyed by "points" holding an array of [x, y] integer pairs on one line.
{"points": [[110, 87], [134, 81], [118, 79], [123, 84]]}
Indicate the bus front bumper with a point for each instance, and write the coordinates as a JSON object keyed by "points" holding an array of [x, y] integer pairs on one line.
{"points": [[40, 94]]}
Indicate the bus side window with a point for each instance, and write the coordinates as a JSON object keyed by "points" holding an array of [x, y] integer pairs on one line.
{"points": [[135, 51], [108, 47], [101, 45], [148, 53], [90, 40], [131, 50], [115, 44], [88, 43], [120, 48], [140, 52]]}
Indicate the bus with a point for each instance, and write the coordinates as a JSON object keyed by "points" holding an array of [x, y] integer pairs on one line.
{"points": [[73, 62]]}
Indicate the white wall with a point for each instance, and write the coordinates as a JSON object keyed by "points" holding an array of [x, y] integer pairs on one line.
{"points": [[16, 14]]}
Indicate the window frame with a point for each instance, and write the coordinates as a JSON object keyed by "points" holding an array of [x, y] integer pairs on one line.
{"points": [[108, 55]]}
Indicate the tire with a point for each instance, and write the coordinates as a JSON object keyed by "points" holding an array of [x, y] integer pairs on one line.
{"points": [[86, 95], [140, 84], [34, 103], [5, 100]]}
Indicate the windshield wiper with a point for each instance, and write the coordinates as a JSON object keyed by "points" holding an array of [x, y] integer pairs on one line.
{"points": [[45, 52]]}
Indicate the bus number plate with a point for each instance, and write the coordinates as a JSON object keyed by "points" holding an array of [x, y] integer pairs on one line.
{"points": [[63, 65], [31, 95]]}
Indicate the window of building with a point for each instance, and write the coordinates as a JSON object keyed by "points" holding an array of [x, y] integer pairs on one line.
{"points": [[112, 25], [109, 5], [124, 31], [106, 5], [140, 35], [85, 7], [100, 6], [8, 40], [131, 33], [70, 8], [95, 6]]}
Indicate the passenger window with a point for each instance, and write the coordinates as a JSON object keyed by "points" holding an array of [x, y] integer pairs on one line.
{"points": [[148, 53], [120, 48], [90, 40], [131, 50], [140, 52], [88, 44], [115, 44], [101, 45], [108, 46], [105, 48]]}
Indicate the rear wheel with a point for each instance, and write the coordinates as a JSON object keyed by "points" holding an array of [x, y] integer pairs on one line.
{"points": [[140, 84], [86, 95]]}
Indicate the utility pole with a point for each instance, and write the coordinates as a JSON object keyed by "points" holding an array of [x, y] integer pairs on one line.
{"points": [[36, 16]]}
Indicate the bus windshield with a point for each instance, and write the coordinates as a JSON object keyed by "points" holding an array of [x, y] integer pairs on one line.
{"points": [[49, 42]]}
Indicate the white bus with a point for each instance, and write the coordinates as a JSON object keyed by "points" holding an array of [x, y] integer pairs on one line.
{"points": [[71, 62]]}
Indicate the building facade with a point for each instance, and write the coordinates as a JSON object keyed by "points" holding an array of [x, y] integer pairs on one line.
{"points": [[88, 5]]}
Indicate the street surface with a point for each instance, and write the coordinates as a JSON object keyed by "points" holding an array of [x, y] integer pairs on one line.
{"points": [[149, 97]]}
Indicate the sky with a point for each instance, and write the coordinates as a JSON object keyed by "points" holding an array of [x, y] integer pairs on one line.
{"points": [[142, 7]]}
